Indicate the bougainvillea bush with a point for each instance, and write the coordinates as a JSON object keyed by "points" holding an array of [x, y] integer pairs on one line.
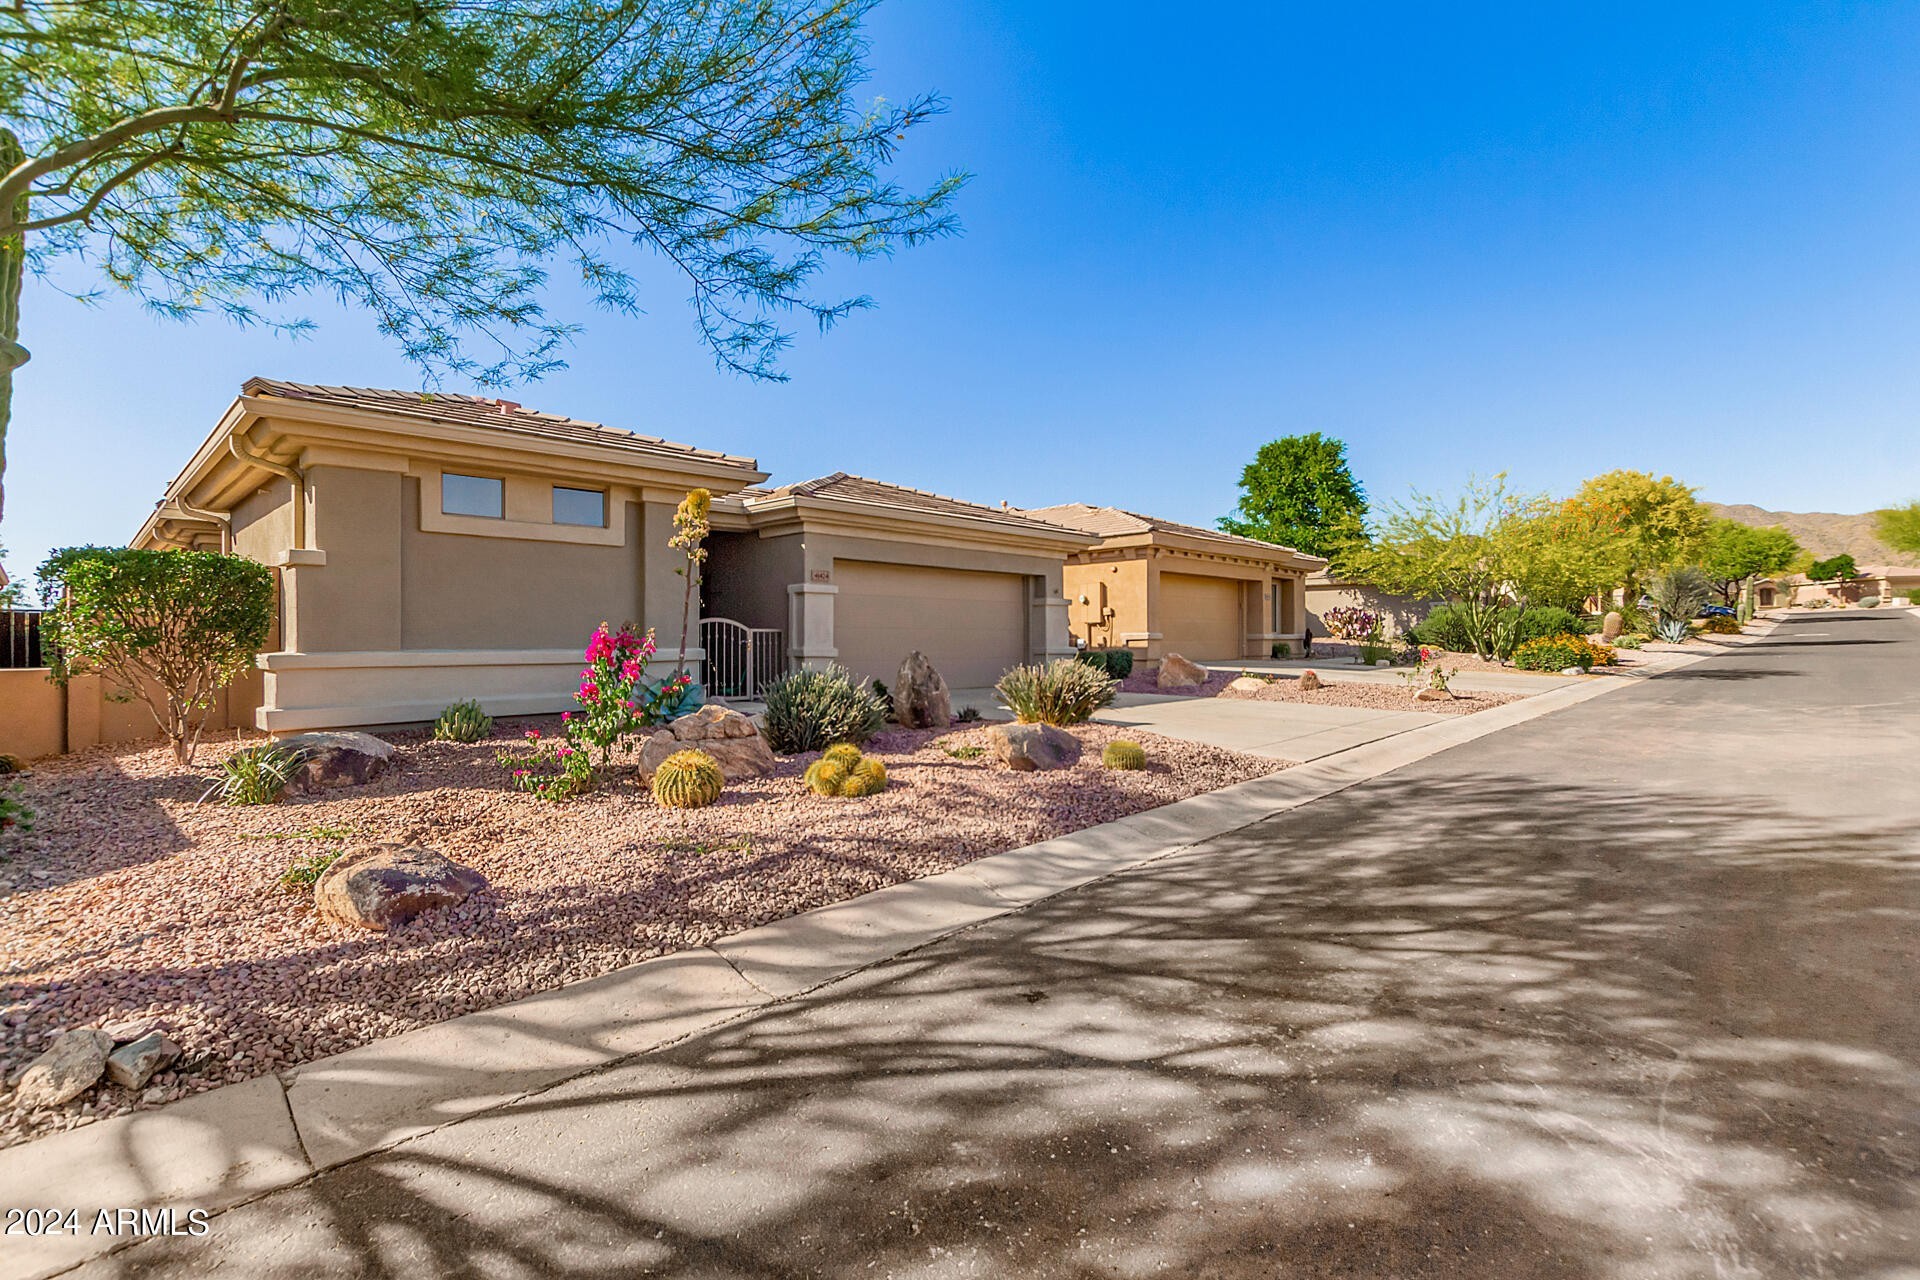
{"points": [[614, 705], [1351, 622]]}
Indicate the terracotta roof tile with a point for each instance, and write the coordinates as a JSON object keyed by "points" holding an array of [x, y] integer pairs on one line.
{"points": [[1115, 522], [479, 411], [860, 489]]}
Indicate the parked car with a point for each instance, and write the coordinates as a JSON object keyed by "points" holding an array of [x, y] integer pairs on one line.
{"points": [[1716, 611]]}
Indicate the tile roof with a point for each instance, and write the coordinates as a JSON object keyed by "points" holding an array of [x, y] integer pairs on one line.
{"points": [[1114, 522], [479, 411], [860, 489]]}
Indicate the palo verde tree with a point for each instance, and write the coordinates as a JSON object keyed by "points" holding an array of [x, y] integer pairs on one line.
{"points": [[1660, 523], [432, 160], [168, 628], [1735, 554], [1299, 492]]}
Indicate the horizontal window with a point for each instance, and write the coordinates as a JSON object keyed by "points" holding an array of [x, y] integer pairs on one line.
{"points": [[579, 506], [472, 496]]}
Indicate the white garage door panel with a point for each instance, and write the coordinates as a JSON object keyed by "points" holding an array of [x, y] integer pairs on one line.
{"points": [[972, 625], [1200, 617]]}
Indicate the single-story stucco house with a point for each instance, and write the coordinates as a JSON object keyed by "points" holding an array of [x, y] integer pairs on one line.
{"points": [[431, 548], [1883, 582], [1157, 587]]}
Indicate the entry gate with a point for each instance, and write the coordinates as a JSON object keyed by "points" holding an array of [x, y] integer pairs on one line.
{"points": [[741, 660]]}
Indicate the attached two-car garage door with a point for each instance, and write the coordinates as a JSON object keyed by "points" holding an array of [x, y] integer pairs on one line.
{"points": [[1200, 617], [972, 625]]}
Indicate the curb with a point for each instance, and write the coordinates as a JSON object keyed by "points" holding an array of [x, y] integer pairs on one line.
{"points": [[228, 1146]]}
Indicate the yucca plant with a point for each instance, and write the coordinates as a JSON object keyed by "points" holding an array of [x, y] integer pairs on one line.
{"points": [[256, 775], [462, 722], [1062, 692], [808, 710]]}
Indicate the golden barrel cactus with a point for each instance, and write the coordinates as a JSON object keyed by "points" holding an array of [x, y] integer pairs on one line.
{"points": [[826, 776], [843, 771], [688, 780], [865, 779], [1122, 754]]}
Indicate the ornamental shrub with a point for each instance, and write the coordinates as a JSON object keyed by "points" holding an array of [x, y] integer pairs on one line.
{"points": [[1540, 622], [169, 628], [1062, 692], [1557, 653], [1351, 622], [1444, 627], [257, 775], [1117, 663], [1722, 626], [613, 705], [808, 710]]}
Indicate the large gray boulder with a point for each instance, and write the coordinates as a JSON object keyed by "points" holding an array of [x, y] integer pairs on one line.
{"points": [[1029, 747], [377, 886], [337, 759], [66, 1070], [921, 699], [731, 738]]}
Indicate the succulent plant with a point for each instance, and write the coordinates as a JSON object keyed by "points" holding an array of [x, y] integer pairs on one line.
{"points": [[865, 779], [845, 752], [462, 722], [826, 776], [1122, 754], [807, 710], [843, 771], [688, 780]]}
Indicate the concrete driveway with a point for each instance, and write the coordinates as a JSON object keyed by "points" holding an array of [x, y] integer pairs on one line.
{"points": [[1626, 991], [1283, 730]]}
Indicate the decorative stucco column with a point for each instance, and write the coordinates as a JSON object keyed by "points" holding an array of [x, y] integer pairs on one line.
{"points": [[810, 624], [1048, 624]]}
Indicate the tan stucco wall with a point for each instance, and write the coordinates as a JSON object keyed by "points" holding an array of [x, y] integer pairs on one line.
{"points": [[464, 592], [32, 714], [1400, 612], [1125, 609], [1133, 595], [38, 719]]}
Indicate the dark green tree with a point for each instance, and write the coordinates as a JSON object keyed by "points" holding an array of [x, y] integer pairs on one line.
{"points": [[1838, 568], [1736, 553], [432, 160], [1299, 492]]}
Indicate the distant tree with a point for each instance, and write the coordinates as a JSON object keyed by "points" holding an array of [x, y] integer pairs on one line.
{"points": [[1838, 568], [168, 628], [429, 160], [1899, 527], [1737, 553], [1299, 492], [1661, 523]]}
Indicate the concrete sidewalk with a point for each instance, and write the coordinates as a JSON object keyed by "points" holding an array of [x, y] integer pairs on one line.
{"points": [[1279, 730]]}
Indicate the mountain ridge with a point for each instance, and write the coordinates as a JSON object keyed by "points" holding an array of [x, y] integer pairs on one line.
{"points": [[1824, 533]]}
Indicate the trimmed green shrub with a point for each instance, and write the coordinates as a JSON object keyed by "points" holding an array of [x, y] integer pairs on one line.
{"points": [[1122, 754], [1444, 627], [1117, 663], [809, 710], [462, 722], [1281, 649], [1721, 626], [1540, 623], [1062, 692], [1869, 602]]}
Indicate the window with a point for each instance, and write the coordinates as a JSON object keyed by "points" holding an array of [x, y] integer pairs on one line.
{"points": [[472, 496], [579, 506]]}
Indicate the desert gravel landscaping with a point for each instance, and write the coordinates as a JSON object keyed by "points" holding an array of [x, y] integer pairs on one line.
{"points": [[1333, 692], [129, 900]]}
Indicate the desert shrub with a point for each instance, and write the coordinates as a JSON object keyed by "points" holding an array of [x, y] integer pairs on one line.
{"points": [[1117, 663], [1350, 622], [967, 715], [688, 780], [303, 873], [1122, 754], [1444, 627], [1281, 649], [256, 775], [885, 695], [843, 771], [1721, 626], [1630, 641], [1557, 653], [1869, 602], [462, 722], [10, 764], [1539, 623], [1062, 692], [1680, 593], [14, 813], [808, 710]]}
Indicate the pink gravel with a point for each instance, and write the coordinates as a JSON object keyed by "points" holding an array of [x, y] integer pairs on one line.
{"points": [[1333, 692], [128, 899]]}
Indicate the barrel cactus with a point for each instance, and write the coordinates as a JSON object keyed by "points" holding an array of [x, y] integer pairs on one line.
{"points": [[845, 752], [1122, 754], [462, 722], [865, 778], [843, 771], [826, 776], [688, 780]]}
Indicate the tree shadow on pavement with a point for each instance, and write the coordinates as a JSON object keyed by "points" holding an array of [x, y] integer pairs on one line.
{"points": [[1453, 1026]]}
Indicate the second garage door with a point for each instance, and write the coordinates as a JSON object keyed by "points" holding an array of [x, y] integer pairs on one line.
{"points": [[972, 625], [1200, 617]]}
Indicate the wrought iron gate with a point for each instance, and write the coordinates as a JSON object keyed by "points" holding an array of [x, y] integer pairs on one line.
{"points": [[741, 660]]}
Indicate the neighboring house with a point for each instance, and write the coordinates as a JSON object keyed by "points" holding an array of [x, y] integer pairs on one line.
{"points": [[1157, 587], [1324, 592], [1886, 582], [431, 548]]}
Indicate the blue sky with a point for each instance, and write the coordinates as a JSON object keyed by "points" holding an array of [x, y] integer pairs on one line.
{"points": [[1549, 239]]}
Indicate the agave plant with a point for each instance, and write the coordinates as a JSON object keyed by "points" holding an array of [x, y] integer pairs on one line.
{"points": [[1675, 630]]}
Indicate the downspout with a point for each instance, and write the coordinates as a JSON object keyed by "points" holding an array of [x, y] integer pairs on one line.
{"points": [[222, 518], [294, 474]]}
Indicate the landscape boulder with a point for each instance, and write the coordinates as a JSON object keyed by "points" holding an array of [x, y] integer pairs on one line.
{"points": [[1309, 681], [376, 886], [133, 1064], [1433, 694], [921, 699], [729, 737], [337, 759], [1245, 684], [1027, 747], [68, 1068], [1177, 673]]}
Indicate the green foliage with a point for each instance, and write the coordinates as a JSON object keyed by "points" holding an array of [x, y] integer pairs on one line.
{"points": [[688, 779], [1448, 627], [1117, 663], [1721, 625], [10, 764], [967, 715], [1281, 649], [171, 628], [1659, 522], [257, 775], [303, 873], [1062, 692], [843, 771], [965, 752], [1445, 627], [1833, 569], [1299, 492], [462, 722], [1675, 630], [1679, 593], [809, 710], [1736, 553], [1557, 653], [1122, 754], [1868, 602], [845, 752], [1633, 641], [1534, 624], [1899, 527], [15, 814]]}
